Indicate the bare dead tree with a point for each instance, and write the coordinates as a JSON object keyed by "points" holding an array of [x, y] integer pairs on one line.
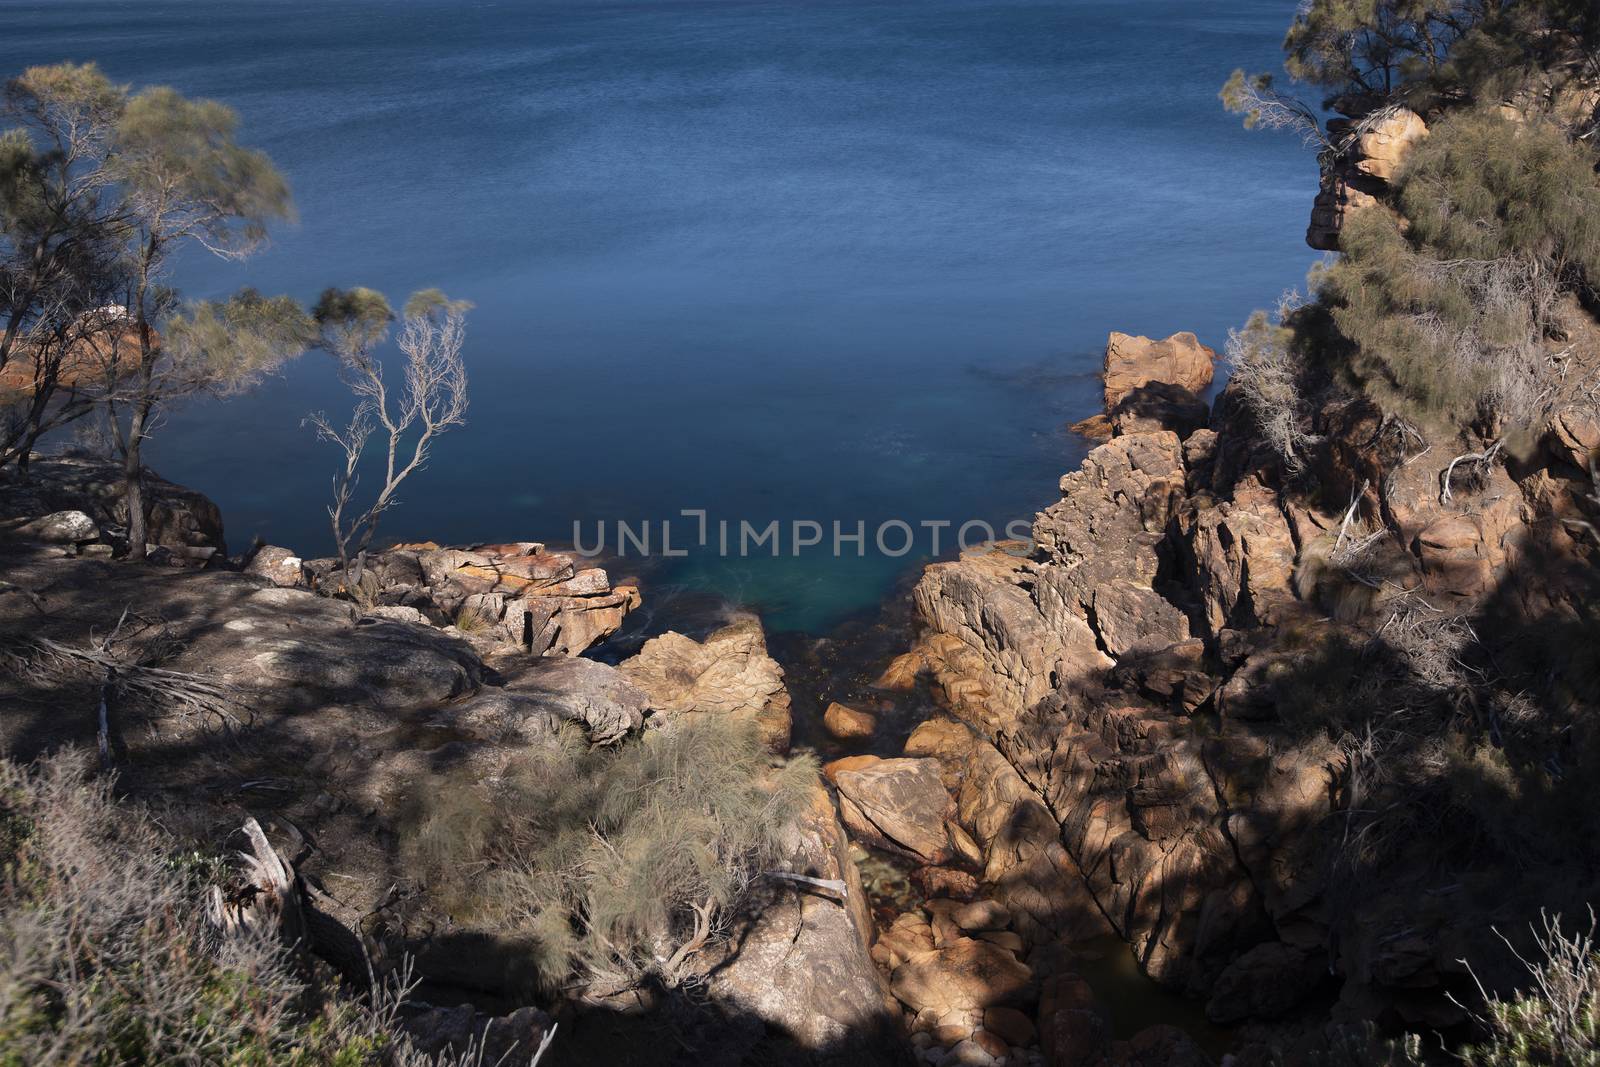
{"points": [[1266, 373], [431, 400]]}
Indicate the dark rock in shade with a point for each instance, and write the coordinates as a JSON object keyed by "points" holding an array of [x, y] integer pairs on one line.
{"points": [[1266, 982], [1165, 1046], [1157, 406], [1073, 1028], [179, 517], [512, 1038]]}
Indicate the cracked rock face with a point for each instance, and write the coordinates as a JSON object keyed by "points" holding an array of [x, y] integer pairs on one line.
{"points": [[898, 804], [1005, 632], [1358, 178]]}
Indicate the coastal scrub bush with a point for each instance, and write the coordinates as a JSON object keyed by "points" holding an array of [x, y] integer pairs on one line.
{"points": [[1448, 304], [107, 957], [618, 862]]}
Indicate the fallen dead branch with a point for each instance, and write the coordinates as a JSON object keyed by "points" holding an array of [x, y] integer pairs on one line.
{"points": [[48, 662], [1478, 463]]}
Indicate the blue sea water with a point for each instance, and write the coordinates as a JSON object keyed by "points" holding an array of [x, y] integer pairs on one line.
{"points": [[831, 260]]}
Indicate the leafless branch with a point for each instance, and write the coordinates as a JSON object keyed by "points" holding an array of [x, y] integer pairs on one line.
{"points": [[433, 400]]}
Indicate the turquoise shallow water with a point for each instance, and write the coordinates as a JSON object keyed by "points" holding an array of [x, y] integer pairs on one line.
{"points": [[807, 260]]}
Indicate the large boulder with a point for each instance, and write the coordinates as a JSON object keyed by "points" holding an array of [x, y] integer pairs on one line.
{"points": [[1132, 362], [964, 975], [899, 804], [729, 673], [60, 528], [279, 566], [801, 963], [306, 647], [846, 723], [543, 693], [1383, 142], [989, 647]]}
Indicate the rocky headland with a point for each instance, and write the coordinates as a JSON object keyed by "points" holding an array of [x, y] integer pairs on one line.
{"points": [[229, 690]]}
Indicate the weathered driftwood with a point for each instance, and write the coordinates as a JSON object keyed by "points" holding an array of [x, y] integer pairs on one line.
{"points": [[274, 899], [269, 900], [833, 885]]}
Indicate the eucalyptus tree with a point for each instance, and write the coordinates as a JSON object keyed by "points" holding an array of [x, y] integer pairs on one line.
{"points": [[183, 181], [102, 191], [58, 252]]}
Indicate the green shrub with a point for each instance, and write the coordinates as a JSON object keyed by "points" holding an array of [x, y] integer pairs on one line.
{"points": [[617, 861], [1449, 304]]}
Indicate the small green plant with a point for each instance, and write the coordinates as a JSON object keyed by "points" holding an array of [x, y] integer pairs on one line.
{"points": [[470, 621]]}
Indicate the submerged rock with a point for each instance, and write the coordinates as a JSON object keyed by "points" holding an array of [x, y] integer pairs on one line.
{"points": [[846, 723]]}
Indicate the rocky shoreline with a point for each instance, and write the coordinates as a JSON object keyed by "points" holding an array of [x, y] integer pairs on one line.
{"points": [[1124, 751], [1101, 745], [334, 715]]}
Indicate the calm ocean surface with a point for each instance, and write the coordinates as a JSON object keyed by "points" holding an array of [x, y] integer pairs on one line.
{"points": [[848, 261]]}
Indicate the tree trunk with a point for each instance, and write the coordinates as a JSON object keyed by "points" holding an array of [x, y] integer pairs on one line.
{"points": [[133, 485]]}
